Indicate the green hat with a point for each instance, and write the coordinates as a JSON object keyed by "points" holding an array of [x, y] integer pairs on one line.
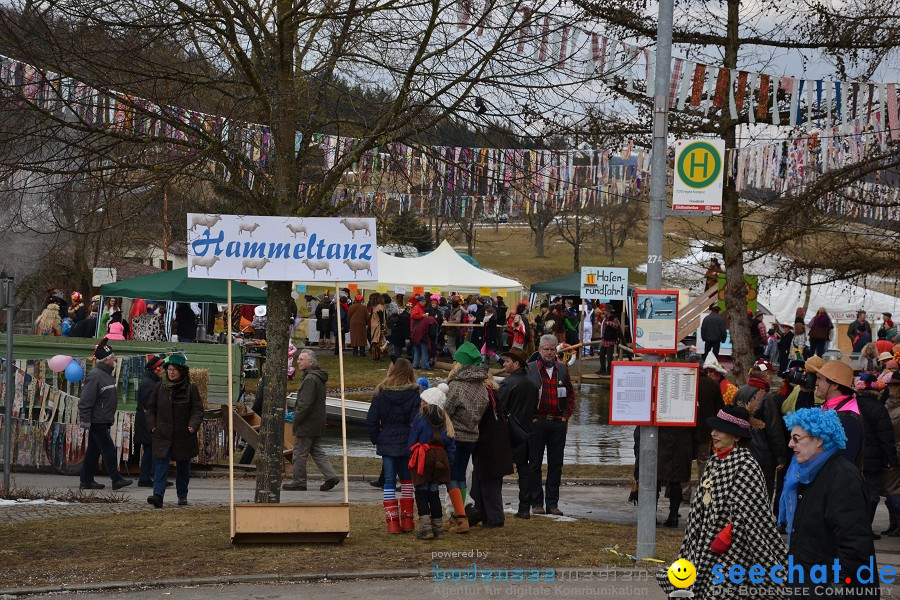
{"points": [[468, 354], [176, 359]]}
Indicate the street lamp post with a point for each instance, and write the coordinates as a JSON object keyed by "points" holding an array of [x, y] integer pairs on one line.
{"points": [[7, 290]]}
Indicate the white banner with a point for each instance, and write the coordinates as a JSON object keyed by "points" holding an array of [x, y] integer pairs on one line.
{"points": [[305, 249], [604, 283]]}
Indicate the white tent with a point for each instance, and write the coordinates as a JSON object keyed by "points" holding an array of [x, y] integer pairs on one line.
{"points": [[443, 269], [840, 299], [782, 296]]}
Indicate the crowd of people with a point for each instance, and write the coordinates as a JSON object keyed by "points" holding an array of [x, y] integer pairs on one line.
{"points": [[144, 321], [428, 327], [427, 436], [810, 457]]}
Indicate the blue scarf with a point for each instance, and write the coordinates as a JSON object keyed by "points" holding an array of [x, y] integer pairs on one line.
{"points": [[796, 475]]}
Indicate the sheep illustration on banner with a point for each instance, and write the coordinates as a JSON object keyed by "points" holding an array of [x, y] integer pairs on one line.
{"points": [[282, 248]]}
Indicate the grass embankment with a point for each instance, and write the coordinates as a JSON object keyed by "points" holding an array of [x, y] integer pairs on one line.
{"points": [[151, 545]]}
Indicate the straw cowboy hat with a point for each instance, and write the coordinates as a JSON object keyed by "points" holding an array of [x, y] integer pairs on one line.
{"points": [[885, 356], [813, 364], [837, 372]]}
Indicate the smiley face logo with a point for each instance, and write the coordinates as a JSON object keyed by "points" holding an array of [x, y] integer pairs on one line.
{"points": [[682, 573]]}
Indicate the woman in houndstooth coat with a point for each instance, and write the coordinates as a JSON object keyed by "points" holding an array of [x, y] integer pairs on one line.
{"points": [[731, 521]]}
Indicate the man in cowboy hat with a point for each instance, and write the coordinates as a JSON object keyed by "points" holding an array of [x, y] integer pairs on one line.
{"points": [[834, 384], [96, 413], [519, 396]]}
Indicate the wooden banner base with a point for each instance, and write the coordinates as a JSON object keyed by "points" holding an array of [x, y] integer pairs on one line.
{"points": [[291, 523]]}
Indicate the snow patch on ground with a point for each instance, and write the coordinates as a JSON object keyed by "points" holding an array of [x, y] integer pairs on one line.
{"points": [[22, 501]]}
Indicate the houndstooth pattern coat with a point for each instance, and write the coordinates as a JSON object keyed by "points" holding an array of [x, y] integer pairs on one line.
{"points": [[738, 495]]}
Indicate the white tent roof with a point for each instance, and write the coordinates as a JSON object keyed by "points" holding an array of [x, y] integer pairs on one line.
{"points": [[841, 300], [443, 268], [782, 296]]}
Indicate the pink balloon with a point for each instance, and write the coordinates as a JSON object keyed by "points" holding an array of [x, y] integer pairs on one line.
{"points": [[59, 363]]}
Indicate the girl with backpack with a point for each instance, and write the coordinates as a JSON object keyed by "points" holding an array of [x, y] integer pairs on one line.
{"points": [[432, 451]]}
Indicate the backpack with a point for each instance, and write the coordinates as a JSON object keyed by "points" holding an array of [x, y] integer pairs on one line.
{"points": [[393, 321]]}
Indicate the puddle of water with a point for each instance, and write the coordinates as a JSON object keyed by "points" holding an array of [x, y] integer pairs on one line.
{"points": [[590, 439]]}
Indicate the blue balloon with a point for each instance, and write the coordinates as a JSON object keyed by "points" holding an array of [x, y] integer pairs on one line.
{"points": [[74, 372]]}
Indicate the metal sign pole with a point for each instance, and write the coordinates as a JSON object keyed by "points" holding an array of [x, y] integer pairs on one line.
{"points": [[8, 297], [646, 531]]}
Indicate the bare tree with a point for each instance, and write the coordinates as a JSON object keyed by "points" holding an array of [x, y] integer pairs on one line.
{"points": [[243, 96]]}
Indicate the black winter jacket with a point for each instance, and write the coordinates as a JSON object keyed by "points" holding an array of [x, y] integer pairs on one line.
{"points": [[769, 445], [492, 458], [144, 393], [99, 398], [390, 416], [879, 449], [518, 396], [831, 521]]}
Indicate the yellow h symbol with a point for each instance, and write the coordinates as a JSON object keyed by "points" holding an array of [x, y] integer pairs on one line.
{"points": [[694, 163]]}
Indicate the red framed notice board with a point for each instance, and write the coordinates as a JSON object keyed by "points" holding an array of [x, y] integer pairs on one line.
{"points": [[655, 324], [643, 393], [631, 393]]}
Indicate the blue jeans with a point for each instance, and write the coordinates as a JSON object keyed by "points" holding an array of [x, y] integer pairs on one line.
{"points": [[161, 474], [147, 466], [99, 444], [393, 466], [460, 462], [421, 356]]}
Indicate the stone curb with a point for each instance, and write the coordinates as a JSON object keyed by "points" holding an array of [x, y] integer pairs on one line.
{"points": [[229, 579]]}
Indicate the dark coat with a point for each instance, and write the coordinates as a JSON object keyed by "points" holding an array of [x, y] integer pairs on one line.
{"points": [[309, 411], [768, 445], [675, 453], [438, 458], [879, 451], [713, 328], [85, 328], [709, 402], [832, 521], [492, 457], [400, 332], [323, 323], [168, 423], [144, 393], [390, 415], [99, 399], [519, 397]]}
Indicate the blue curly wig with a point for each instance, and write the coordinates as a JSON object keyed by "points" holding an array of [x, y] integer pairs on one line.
{"points": [[823, 424], [423, 383]]}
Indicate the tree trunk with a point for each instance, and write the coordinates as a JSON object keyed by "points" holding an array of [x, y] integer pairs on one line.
{"points": [[808, 292], [733, 243], [270, 469], [539, 237]]}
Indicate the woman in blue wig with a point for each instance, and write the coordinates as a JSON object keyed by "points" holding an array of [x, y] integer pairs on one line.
{"points": [[824, 505]]}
